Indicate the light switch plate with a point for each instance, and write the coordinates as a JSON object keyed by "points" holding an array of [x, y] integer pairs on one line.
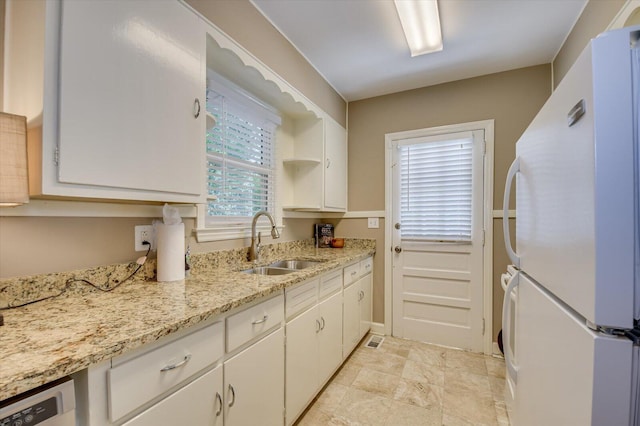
{"points": [[373, 222]]}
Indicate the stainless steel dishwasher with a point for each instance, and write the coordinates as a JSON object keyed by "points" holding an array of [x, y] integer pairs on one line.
{"points": [[53, 404]]}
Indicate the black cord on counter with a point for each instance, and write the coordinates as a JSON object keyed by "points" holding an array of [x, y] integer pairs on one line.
{"points": [[139, 262]]}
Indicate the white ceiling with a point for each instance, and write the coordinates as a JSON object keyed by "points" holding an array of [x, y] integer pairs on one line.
{"points": [[359, 48]]}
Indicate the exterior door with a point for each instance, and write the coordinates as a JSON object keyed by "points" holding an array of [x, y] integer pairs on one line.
{"points": [[438, 238]]}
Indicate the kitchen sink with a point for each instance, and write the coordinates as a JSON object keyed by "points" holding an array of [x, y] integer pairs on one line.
{"points": [[294, 264], [281, 267], [266, 270]]}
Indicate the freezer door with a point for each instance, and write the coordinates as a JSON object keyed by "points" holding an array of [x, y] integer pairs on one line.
{"points": [[567, 374], [575, 195]]}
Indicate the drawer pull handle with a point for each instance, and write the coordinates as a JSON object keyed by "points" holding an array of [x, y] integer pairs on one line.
{"points": [[318, 326], [186, 359], [233, 396], [323, 324], [219, 404], [264, 319], [353, 273]]}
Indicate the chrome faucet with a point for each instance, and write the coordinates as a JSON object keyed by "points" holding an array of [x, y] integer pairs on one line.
{"points": [[254, 250]]}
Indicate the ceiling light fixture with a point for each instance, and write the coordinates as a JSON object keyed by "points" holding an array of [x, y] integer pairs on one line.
{"points": [[421, 24]]}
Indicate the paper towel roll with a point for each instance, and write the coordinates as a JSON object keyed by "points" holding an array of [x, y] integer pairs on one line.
{"points": [[170, 241]]}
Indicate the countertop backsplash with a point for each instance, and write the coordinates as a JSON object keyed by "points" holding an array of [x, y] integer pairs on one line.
{"points": [[19, 291]]}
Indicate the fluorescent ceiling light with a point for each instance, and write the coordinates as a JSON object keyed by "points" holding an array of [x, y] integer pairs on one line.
{"points": [[421, 24]]}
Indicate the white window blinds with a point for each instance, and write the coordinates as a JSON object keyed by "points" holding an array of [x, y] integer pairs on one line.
{"points": [[240, 157], [436, 190]]}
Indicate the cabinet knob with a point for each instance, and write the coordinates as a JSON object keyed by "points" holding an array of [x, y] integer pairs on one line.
{"points": [[398, 249], [233, 396], [219, 404], [196, 108]]}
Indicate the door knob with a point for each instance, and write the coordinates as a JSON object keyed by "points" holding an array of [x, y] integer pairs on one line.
{"points": [[398, 249]]}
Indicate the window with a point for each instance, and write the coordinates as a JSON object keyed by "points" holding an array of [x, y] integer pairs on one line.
{"points": [[240, 156], [436, 190]]}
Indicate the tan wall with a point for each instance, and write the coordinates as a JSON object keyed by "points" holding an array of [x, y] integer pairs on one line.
{"points": [[246, 25], [595, 18], [510, 98], [357, 228], [39, 245]]}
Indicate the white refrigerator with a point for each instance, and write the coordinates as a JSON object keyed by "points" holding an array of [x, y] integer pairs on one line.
{"points": [[575, 359]]}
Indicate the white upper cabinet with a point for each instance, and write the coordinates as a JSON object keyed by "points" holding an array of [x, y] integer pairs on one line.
{"points": [[335, 173], [122, 112], [316, 167]]}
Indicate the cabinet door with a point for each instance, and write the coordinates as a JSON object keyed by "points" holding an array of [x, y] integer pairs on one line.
{"points": [[351, 317], [366, 284], [130, 74], [254, 383], [330, 337], [198, 403], [335, 173], [301, 362]]}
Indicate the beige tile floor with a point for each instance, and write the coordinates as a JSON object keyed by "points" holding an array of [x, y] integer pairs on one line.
{"points": [[405, 383]]}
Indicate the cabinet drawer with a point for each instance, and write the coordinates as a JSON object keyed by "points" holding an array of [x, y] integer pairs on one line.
{"points": [[366, 266], [330, 283], [254, 321], [351, 274], [303, 296], [139, 380]]}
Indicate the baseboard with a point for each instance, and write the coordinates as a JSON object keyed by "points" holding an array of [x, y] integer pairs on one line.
{"points": [[496, 349], [377, 328]]}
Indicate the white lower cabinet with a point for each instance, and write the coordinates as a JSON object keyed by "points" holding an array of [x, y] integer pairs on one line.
{"points": [[254, 383], [366, 304], [357, 307], [330, 337], [135, 381], [179, 408], [301, 362], [351, 318], [313, 353]]}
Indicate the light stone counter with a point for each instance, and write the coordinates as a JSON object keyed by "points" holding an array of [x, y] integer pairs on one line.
{"points": [[52, 338]]}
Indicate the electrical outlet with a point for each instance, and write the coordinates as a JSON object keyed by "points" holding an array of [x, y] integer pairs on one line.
{"points": [[373, 222], [144, 233]]}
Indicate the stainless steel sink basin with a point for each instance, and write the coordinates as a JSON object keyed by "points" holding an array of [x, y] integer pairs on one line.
{"points": [[294, 264], [266, 270], [282, 267]]}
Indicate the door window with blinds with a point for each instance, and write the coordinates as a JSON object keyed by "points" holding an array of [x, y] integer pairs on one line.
{"points": [[436, 188], [240, 155]]}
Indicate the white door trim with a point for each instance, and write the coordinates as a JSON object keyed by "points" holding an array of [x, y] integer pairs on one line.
{"points": [[487, 281]]}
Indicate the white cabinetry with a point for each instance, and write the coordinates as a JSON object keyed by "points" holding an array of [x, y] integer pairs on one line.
{"points": [[254, 383], [357, 314], [254, 377], [179, 408], [316, 169], [134, 381], [314, 340], [119, 115], [335, 173]]}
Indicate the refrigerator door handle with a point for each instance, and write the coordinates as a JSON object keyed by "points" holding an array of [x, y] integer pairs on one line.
{"points": [[511, 174], [512, 369]]}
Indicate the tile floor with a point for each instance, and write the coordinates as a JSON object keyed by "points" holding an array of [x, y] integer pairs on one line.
{"points": [[405, 383]]}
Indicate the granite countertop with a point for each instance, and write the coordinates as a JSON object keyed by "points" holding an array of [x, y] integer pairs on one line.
{"points": [[52, 338]]}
